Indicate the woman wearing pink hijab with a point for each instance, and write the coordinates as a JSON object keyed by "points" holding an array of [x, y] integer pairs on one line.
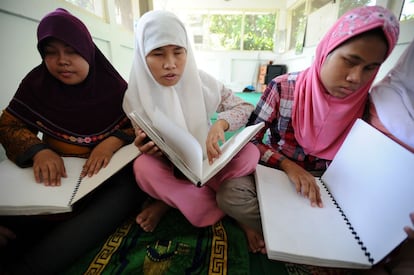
{"points": [[308, 114]]}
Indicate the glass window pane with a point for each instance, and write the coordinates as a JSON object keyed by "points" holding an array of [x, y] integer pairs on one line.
{"points": [[93, 6], [226, 30], [124, 14], [229, 29], [298, 27], [407, 11], [345, 6], [258, 32]]}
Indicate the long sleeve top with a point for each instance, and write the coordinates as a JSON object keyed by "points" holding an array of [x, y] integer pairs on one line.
{"points": [[233, 109], [22, 142], [276, 141]]}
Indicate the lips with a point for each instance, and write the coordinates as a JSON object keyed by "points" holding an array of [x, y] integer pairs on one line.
{"points": [[170, 76], [65, 73], [347, 91]]}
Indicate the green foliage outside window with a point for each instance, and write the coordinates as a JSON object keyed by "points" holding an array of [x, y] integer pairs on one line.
{"points": [[259, 32], [345, 6], [408, 11], [244, 31]]}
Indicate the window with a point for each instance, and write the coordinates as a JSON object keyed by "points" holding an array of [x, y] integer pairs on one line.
{"points": [[345, 6], [94, 6], [407, 11], [299, 17], [298, 22], [298, 25], [225, 27], [232, 30], [239, 31], [124, 14]]}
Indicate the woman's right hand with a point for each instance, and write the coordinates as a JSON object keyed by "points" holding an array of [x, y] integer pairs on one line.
{"points": [[410, 230], [145, 145], [5, 236], [48, 168], [304, 181]]}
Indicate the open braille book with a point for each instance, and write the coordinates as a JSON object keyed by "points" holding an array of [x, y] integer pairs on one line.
{"points": [[21, 195], [185, 151], [367, 192]]}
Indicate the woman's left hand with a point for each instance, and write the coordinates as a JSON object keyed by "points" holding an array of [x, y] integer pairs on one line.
{"points": [[410, 230], [215, 135], [101, 155]]}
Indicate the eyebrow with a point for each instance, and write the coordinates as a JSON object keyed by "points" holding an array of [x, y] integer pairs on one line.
{"points": [[360, 59], [175, 48]]}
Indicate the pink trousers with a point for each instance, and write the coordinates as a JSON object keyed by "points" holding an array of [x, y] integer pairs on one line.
{"points": [[156, 177]]}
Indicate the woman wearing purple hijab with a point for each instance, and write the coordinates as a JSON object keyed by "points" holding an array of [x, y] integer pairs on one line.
{"points": [[74, 99]]}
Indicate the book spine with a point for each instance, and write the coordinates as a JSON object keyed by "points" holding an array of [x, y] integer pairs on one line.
{"points": [[348, 223], [75, 190]]}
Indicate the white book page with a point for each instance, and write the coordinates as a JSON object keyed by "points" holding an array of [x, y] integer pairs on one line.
{"points": [[229, 149], [122, 157], [181, 141], [296, 232], [372, 179], [20, 194]]}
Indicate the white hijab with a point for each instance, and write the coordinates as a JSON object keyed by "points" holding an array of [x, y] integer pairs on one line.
{"points": [[189, 103], [393, 98]]}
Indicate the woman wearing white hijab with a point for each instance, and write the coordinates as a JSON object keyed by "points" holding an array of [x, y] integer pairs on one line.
{"points": [[392, 108], [165, 77], [391, 111]]}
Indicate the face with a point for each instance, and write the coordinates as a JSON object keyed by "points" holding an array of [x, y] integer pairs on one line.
{"points": [[64, 63], [350, 66], [167, 64]]}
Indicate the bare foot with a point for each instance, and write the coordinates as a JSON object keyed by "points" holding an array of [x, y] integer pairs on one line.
{"points": [[254, 239], [151, 215]]}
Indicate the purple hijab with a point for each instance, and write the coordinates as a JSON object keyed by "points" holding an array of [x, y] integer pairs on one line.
{"points": [[82, 114]]}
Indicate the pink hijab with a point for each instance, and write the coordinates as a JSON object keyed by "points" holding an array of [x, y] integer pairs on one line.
{"points": [[321, 121]]}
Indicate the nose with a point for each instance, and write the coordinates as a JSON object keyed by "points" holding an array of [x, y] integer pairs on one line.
{"points": [[169, 62], [63, 59], [355, 75]]}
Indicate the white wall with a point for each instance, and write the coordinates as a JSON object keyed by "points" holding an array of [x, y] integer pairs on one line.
{"points": [[236, 69]]}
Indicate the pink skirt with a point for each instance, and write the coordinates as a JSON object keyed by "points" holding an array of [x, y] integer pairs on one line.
{"points": [[156, 177]]}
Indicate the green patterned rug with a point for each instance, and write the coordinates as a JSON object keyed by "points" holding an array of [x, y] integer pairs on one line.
{"points": [[176, 247]]}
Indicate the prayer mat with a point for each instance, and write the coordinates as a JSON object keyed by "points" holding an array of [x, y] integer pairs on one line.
{"points": [[177, 247]]}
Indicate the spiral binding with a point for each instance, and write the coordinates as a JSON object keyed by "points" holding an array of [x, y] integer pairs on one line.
{"points": [[361, 244], [75, 190]]}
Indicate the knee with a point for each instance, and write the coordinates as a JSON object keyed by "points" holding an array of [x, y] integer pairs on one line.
{"points": [[225, 196], [253, 152], [236, 193]]}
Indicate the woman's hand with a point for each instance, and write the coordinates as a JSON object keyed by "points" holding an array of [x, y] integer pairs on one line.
{"points": [[48, 168], [410, 230], [5, 236], [304, 182], [101, 155], [215, 135], [145, 145]]}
